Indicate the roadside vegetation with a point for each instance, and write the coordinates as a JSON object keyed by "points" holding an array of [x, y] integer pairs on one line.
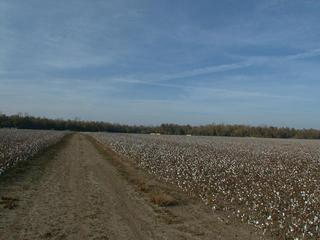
{"points": [[21, 145]]}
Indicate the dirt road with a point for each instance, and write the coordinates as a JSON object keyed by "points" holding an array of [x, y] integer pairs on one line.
{"points": [[78, 194]]}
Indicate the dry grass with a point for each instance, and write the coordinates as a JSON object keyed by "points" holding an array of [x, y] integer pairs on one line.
{"points": [[140, 182], [163, 199], [9, 202]]}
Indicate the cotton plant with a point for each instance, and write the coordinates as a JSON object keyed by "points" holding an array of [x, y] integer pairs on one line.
{"points": [[20, 145], [270, 183]]}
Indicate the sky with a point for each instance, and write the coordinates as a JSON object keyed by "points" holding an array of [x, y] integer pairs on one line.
{"points": [[150, 62]]}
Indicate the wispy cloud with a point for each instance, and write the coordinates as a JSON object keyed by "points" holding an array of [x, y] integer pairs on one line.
{"points": [[263, 60], [190, 62], [209, 70], [304, 55], [206, 92]]}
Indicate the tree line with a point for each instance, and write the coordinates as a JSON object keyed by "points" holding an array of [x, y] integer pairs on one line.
{"points": [[29, 122]]}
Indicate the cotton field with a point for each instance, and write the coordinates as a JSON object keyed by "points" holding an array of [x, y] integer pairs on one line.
{"points": [[272, 184], [18, 145]]}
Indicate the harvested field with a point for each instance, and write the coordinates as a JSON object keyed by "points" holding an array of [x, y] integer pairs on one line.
{"points": [[19, 145], [272, 184]]}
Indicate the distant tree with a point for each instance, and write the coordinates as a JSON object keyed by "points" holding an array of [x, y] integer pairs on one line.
{"points": [[26, 121]]}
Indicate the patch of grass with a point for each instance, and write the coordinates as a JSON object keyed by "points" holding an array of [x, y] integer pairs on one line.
{"points": [[144, 187], [153, 190], [26, 172], [35, 164], [163, 199], [9, 202]]}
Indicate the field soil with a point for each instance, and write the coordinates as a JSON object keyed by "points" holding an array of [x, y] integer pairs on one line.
{"points": [[76, 191]]}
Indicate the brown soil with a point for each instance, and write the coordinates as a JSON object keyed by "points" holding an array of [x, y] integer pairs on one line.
{"points": [[78, 190]]}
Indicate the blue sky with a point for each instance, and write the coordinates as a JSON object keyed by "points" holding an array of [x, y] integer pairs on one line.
{"points": [[148, 62]]}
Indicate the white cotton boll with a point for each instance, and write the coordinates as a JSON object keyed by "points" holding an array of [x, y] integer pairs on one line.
{"points": [[253, 174]]}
